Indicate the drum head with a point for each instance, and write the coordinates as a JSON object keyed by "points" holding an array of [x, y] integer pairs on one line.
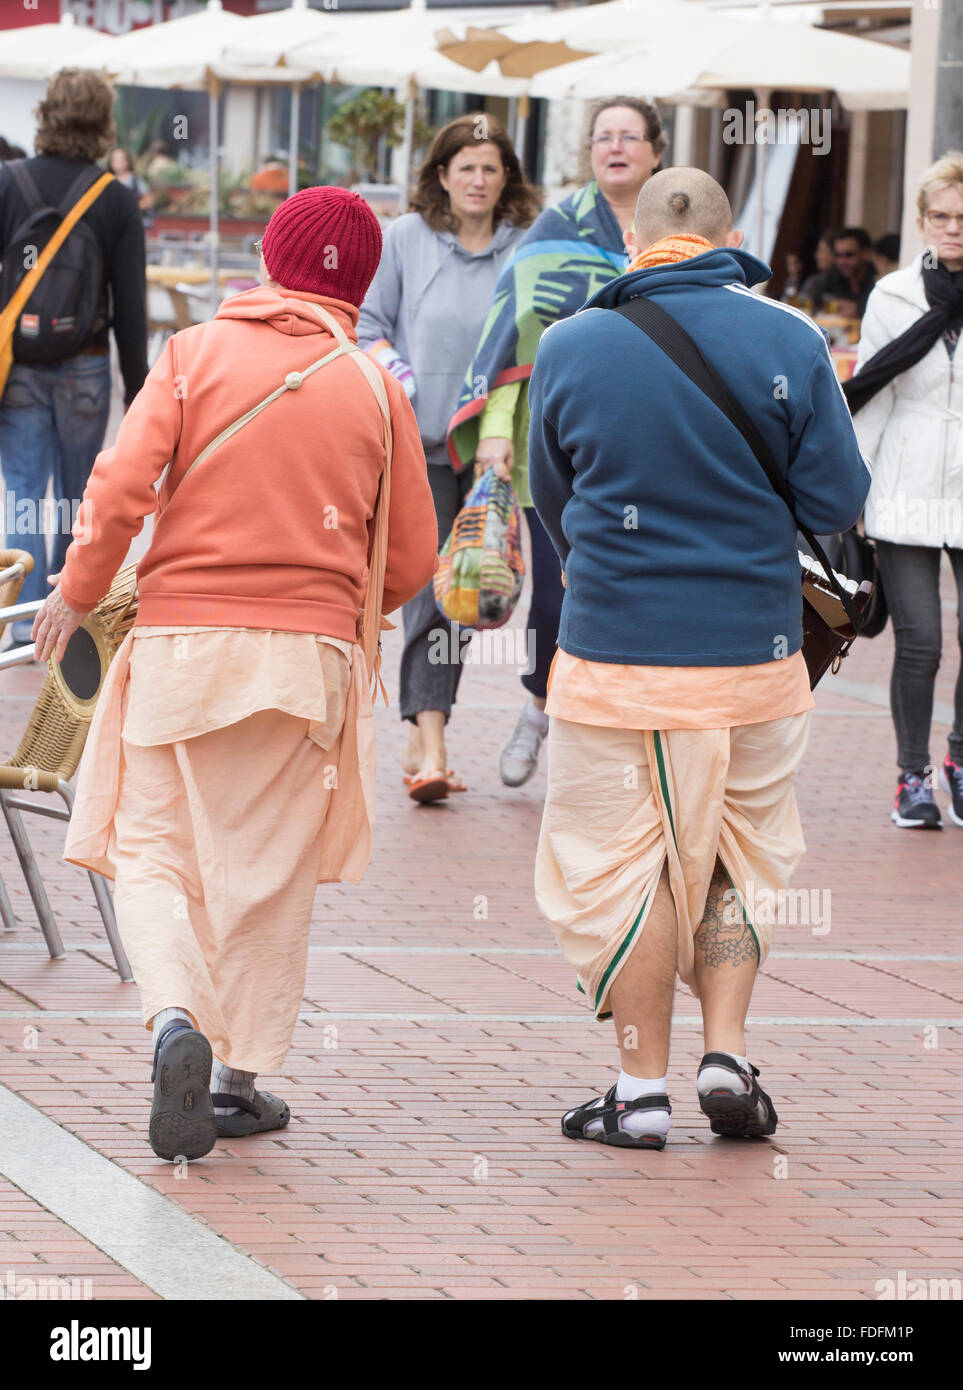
{"points": [[80, 674]]}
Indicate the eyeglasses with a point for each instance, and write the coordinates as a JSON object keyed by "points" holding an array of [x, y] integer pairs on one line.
{"points": [[941, 220], [625, 137], [257, 246]]}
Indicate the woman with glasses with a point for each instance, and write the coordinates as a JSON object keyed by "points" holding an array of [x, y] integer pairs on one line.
{"points": [[907, 395], [567, 254]]}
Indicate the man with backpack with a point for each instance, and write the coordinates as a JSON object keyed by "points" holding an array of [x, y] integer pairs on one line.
{"points": [[55, 401]]}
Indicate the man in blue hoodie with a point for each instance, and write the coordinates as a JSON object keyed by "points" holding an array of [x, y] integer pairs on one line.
{"points": [[679, 699]]}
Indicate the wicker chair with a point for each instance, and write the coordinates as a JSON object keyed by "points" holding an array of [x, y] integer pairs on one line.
{"points": [[15, 565], [53, 741]]}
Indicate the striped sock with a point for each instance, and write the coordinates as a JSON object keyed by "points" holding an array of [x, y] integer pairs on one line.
{"points": [[231, 1081], [165, 1017]]}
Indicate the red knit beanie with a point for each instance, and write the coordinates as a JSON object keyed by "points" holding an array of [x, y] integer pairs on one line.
{"points": [[325, 241]]}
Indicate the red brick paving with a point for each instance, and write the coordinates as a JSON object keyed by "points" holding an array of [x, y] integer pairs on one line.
{"points": [[424, 1158]]}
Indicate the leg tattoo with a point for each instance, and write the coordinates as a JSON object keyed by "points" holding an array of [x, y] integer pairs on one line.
{"points": [[723, 934]]}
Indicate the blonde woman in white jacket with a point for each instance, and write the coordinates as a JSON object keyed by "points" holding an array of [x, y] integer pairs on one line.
{"points": [[908, 392]]}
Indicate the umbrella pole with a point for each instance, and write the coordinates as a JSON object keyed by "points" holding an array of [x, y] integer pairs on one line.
{"points": [[214, 93], [294, 139], [763, 96], [407, 140], [521, 122]]}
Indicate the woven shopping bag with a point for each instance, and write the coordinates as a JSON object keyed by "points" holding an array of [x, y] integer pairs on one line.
{"points": [[481, 568]]}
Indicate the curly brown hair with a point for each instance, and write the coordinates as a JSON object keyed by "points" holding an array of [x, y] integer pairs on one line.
{"points": [[518, 203], [76, 117]]}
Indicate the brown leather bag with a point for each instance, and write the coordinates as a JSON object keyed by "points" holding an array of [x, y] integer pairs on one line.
{"points": [[828, 632]]}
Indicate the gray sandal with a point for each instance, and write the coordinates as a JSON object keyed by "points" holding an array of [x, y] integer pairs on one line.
{"points": [[262, 1113], [182, 1116]]}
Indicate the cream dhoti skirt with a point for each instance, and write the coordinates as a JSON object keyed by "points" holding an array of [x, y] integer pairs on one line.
{"points": [[622, 803], [227, 772]]}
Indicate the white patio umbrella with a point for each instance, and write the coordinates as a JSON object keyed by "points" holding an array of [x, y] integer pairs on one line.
{"points": [[400, 49], [187, 53], [37, 50], [536, 43], [266, 40], [179, 53], [719, 56], [394, 64]]}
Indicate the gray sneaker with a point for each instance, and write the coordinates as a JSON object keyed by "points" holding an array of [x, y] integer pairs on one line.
{"points": [[519, 757]]}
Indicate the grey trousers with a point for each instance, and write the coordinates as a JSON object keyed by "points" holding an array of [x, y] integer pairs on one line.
{"points": [[430, 661]]}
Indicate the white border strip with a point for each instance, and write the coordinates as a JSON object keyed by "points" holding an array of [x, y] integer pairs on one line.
{"points": [[684, 1020], [494, 952], [147, 1234]]}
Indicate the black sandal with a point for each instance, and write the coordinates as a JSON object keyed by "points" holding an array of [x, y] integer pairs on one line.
{"points": [[735, 1114], [610, 1110], [262, 1113], [182, 1116]]}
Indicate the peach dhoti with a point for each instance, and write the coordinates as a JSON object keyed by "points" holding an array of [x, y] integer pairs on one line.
{"points": [[623, 803], [226, 774]]}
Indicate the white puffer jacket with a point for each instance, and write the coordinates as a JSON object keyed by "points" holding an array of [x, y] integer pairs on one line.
{"points": [[911, 431]]}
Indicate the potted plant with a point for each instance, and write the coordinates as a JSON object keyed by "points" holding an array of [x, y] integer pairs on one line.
{"points": [[363, 122]]}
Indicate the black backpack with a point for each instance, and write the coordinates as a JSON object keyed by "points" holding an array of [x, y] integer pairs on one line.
{"points": [[66, 307]]}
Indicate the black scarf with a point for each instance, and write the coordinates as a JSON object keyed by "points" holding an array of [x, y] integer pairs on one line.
{"points": [[944, 293]]}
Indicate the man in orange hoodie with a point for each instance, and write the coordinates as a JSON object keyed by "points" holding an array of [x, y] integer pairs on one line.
{"points": [[230, 764]]}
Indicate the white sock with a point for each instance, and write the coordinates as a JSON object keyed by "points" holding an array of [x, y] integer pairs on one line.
{"points": [[718, 1079], [231, 1081], [629, 1087], [165, 1016], [536, 716]]}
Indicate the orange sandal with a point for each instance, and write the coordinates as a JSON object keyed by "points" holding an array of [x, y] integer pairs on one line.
{"points": [[434, 786], [431, 786]]}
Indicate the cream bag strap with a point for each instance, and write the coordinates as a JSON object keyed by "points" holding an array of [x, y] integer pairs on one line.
{"points": [[370, 622]]}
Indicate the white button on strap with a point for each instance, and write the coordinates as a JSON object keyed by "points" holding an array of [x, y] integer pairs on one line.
{"points": [[293, 380]]}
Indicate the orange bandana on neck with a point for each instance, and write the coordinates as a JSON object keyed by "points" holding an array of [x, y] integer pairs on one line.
{"points": [[671, 249]]}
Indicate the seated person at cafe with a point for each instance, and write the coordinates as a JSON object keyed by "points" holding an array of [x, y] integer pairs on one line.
{"points": [[886, 254], [847, 288]]}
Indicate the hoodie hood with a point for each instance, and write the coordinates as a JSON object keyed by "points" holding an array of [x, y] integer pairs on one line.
{"points": [[721, 266], [288, 311], [503, 236]]}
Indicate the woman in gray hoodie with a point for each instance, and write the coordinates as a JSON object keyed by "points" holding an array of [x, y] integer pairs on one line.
{"points": [[423, 316]]}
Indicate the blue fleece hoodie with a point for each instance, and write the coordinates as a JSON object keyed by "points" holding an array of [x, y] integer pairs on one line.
{"points": [[676, 549]]}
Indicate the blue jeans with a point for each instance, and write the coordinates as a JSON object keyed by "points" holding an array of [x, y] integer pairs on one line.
{"points": [[52, 424]]}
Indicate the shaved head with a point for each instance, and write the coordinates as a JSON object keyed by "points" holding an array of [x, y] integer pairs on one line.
{"points": [[682, 200]]}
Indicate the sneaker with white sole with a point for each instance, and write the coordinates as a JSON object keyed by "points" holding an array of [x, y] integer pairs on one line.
{"points": [[915, 807], [519, 757], [951, 780]]}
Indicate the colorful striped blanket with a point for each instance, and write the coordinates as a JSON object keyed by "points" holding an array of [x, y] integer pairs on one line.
{"points": [[567, 254]]}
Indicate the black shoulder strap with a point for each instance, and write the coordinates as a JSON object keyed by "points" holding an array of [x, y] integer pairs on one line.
{"points": [[29, 192], [668, 334], [84, 180]]}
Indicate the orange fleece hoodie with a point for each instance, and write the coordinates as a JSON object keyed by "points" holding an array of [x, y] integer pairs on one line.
{"points": [[273, 529]]}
